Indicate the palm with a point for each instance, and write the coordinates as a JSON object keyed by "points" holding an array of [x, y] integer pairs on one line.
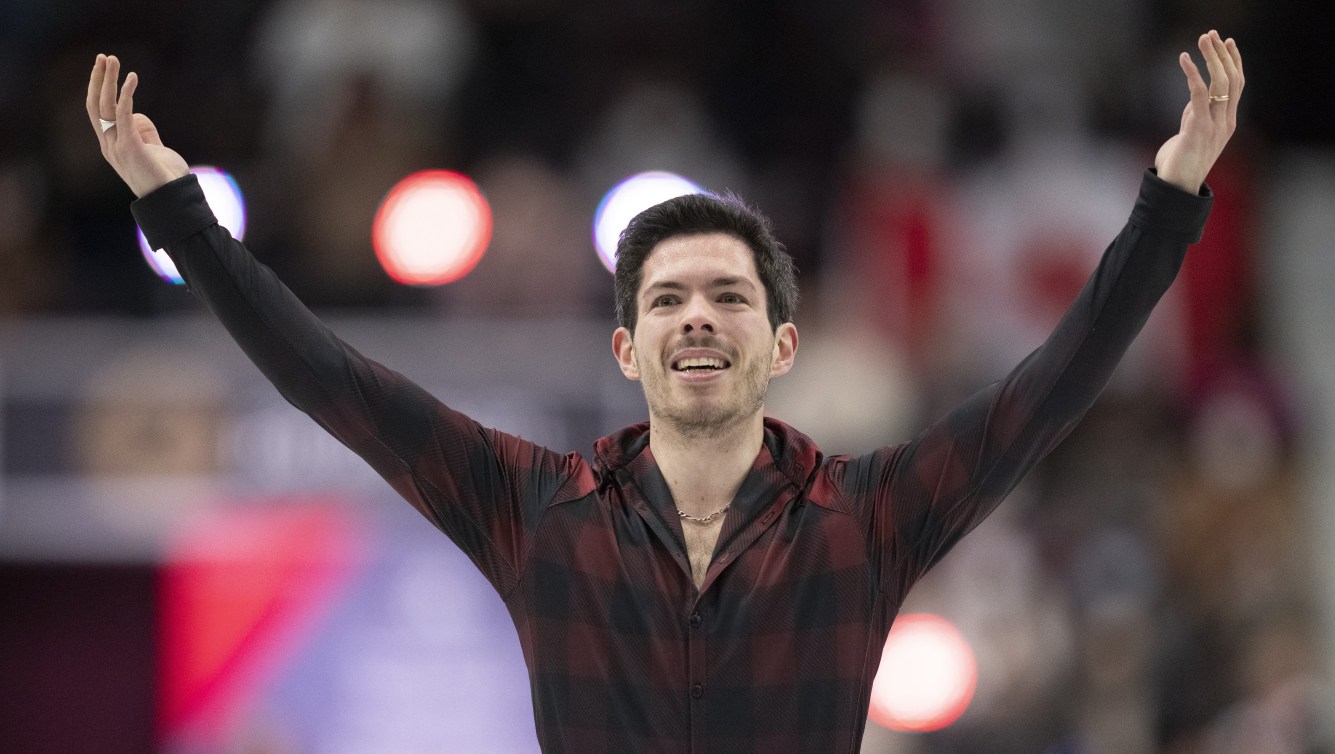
{"points": [[1187, 152], [149, 158]]}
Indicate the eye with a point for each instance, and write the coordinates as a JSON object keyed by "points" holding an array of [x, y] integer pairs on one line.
{"points": [[663, 301], [731, 298]]}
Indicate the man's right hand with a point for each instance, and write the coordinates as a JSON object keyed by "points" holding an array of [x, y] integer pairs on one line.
{"points": [[132, 146]]}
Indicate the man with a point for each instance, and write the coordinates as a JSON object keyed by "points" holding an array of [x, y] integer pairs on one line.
{"points": [[709, 582]]}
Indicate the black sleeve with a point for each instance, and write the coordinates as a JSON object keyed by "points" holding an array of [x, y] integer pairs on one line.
{"points": [[484, 488], [919, 498]]}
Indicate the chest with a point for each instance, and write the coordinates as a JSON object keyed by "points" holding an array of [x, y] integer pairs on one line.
{"points": [[700, 540], [616, 636], [592, 577]]}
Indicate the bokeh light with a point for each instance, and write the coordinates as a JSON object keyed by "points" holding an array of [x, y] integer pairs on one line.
{"points": [[628, 199], [927, 675], [224, 198], [432, 228]]}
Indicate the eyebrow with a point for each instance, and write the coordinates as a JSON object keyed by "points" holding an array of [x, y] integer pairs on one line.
{"points": [[724, 282]]}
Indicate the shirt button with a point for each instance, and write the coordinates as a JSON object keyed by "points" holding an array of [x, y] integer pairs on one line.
{"points": [[696, 620], [698, 690]]}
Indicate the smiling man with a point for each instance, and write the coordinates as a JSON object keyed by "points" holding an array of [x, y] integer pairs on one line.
{"points": [[704, 332], [709, 581]]}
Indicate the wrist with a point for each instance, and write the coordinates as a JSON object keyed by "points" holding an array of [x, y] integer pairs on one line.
{"points": [[145, 185], [1190, 184]]}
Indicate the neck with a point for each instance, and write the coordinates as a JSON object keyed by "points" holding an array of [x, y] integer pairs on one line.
{"points": [[704, 473]]}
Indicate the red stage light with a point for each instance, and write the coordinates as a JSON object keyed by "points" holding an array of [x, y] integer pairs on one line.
{"points": [[432, 228]]}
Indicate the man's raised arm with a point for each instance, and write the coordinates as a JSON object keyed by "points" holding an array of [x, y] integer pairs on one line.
{"points": [[483, 488], [919, 498]]}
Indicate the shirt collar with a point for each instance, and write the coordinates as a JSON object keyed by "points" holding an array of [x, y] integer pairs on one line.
{"points": [[785, 452], [626, 471]]}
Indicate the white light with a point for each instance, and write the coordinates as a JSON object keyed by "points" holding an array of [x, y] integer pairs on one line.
{"points": [[224, 198], [927, 675], [432, 228], [628, 199]]}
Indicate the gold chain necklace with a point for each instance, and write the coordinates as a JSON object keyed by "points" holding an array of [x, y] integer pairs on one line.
{"points": [[706, 519]]}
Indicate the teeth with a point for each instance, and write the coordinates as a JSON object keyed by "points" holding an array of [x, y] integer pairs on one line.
{"points": [[700, 363]]}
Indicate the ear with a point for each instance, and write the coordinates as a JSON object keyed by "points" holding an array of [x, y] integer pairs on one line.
{"points": [[624, 351], [785, 349]]}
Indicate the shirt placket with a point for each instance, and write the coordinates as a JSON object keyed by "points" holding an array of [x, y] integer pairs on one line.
{"points": [[644, 483], [701, 612], [697, 650]]}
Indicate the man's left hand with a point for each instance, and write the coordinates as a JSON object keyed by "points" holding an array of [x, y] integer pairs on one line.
{"points": [[1210, 116]]}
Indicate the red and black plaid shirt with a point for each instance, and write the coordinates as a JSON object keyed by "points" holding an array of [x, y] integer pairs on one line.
{"points": [[777, 650]]}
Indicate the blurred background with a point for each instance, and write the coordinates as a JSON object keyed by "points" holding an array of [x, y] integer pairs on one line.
{"points": [[189, 565]]}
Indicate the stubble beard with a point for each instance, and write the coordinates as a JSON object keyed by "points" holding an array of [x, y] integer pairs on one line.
{"points": [[696, 420]]}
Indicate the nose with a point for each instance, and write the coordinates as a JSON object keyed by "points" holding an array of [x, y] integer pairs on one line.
{"points": [[697, 316]]}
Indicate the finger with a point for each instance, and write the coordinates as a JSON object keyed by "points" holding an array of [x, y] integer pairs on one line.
{"points": [[1232, 63], [125, 104], [1200, 99], [147, 132], [106, 102], [94, 87], [1235, 79], [1226, 63], [1236, 54], [1225, 59], [1218, 78]]}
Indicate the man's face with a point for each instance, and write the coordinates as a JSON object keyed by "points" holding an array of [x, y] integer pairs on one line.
{"points": [[703, 346]]}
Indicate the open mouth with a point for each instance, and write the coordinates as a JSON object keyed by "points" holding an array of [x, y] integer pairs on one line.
{"points": [[700, 364]]}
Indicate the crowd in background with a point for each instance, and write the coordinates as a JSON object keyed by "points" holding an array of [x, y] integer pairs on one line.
{"points": [[945, 172]]}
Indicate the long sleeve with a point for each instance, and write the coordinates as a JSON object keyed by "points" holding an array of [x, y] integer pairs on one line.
{"points": [[485, 489], [919, 498]]}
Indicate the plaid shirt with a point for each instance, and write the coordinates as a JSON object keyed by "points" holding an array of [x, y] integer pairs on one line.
{"points": [[777, 650]]}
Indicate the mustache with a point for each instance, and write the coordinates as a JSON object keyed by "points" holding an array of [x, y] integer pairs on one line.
{"points": [[702, 341]]}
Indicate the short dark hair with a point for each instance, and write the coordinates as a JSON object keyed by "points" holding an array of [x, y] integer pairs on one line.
{"points": [[698, 214]]}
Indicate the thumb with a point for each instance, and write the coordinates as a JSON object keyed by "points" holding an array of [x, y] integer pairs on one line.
{"points": [[147, 132]]}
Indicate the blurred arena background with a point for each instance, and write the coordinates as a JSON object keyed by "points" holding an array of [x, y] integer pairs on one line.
{"points": [[189, 565]]}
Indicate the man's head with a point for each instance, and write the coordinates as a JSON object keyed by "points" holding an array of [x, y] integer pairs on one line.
{"points": [[705, 298], [701, 214]]}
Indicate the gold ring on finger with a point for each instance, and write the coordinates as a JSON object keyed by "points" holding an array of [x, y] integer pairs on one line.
{"points": [[1219, 98]]}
